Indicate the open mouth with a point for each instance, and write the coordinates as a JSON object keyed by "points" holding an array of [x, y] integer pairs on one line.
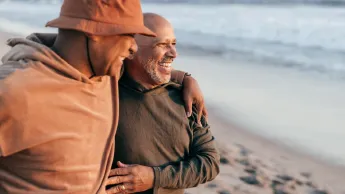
{"points": [[165, 65], [165, 68]]}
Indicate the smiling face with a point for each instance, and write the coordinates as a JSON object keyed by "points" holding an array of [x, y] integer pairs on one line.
{"points": [[108, 52], [156, 55]]}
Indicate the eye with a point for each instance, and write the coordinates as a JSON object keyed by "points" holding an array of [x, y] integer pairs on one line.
{"points": [[160, 44], [174, 43]]}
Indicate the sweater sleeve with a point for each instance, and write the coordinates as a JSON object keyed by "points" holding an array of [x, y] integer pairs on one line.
{"points": [[201, 166]]}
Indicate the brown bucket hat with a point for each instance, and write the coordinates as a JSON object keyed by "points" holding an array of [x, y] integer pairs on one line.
{"points": [[102, 17]]}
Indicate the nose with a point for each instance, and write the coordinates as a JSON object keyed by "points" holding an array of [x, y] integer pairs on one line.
{"points": [[172, 52]]}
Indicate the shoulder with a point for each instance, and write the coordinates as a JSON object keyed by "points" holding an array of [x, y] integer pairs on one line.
{"points": [[16, 80], [8, 68], [19, 74]]}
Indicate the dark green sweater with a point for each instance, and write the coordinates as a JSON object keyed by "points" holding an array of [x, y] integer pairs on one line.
{"points": [[155, 131]]}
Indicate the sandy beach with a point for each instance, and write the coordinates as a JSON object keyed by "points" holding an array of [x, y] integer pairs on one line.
{"points": [[252, 163]]}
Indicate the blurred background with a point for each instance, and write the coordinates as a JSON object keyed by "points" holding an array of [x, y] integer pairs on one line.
{"points": [[273, 67]]}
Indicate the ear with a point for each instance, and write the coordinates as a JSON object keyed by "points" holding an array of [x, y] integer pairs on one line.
{"points": [[93, 37]]}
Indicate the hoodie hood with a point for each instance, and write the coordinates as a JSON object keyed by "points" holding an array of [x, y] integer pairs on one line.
{"points": [[35, 49]]}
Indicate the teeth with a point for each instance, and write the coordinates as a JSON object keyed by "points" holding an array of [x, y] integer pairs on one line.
{"points": [[165, 64]]}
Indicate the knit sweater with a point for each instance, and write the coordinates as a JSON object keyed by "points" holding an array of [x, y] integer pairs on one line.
{"points": [[154, 131]]}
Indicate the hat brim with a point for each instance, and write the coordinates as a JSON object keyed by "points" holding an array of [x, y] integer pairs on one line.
{"points": [[98, 28]]}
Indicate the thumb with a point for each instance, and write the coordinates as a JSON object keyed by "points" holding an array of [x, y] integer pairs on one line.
{"points": [[122, 165], [188, 107]]}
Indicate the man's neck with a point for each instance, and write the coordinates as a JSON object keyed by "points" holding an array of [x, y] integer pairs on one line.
{"points": [[71, 46]]}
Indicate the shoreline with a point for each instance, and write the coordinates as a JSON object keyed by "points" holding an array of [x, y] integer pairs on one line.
{"points": [[297, 108], [254, 164], [284, 160], [291, 150], [232, 131]]}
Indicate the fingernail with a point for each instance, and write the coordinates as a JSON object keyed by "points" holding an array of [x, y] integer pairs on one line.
{"points": [[188, 114]]}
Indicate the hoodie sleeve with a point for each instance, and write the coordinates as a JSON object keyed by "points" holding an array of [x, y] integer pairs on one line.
{"points": [[11, 111], [16, 133], [6, 123], [201, 166], [3, 121]]}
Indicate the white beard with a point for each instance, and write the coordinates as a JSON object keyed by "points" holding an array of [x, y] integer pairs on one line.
{"points": [[150, 67]]}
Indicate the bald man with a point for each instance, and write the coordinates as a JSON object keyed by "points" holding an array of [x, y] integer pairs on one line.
{"points": [[158, 148]]}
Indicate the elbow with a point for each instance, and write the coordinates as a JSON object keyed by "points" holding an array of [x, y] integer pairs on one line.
{"points": [[215, 161], [215, 169]]}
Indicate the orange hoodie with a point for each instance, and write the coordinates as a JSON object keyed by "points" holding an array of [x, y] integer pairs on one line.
{"points": [[57, 126]]}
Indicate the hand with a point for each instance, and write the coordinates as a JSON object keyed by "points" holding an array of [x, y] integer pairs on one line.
{"points": [[192, 94], [130, 178]]}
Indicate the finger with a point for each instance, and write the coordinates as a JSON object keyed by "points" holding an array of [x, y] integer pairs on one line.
{"points": [[188, 104], [199, 107], [114, 190], [205, 113], [129, 187], [122, 165], [122, 188], [119, 179], [120, 171]]}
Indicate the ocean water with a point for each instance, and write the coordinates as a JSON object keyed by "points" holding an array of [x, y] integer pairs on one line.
{"points": [[305, 37], [294, 37]]}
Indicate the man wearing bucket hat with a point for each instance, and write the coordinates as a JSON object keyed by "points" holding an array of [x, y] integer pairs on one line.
{"points": [[58, 109]]}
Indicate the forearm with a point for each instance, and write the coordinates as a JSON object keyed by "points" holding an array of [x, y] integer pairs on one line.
{"points": [[186, 174], [201, 166]]}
